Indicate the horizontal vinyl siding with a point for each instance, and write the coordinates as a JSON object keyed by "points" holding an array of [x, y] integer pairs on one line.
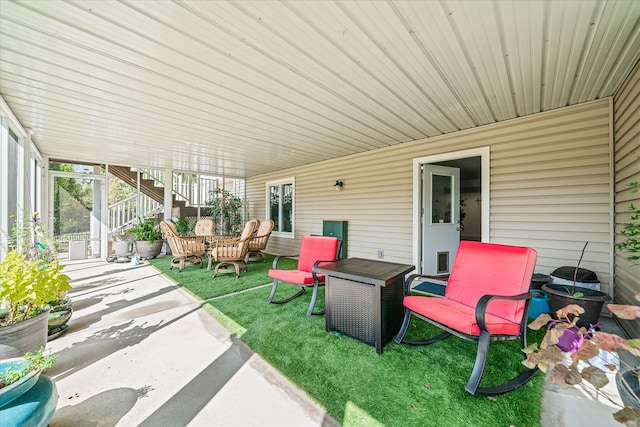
{"points": [[627, 169], [376, 196], [550, 175], [550, 189]]}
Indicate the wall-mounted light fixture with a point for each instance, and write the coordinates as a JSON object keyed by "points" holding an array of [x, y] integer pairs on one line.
{"points": [[339, 185]]}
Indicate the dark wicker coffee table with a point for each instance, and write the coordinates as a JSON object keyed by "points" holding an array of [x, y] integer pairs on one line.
{"points": [[364, 299]]}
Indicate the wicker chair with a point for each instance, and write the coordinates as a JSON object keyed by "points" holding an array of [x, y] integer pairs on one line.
{"points": [[232, 252], [205, 227], [185, 249], [258, 242]]}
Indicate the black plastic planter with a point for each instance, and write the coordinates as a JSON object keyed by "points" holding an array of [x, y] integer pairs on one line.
{"points": [[630, 383], [591, 300]]}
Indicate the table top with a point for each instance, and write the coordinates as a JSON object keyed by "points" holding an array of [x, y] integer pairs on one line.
{"points": [[370, 271]]}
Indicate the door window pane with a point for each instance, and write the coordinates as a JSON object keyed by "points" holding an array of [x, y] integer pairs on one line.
{"points": [[281, 206], [287, 207], [274, 206], [441, 196]]}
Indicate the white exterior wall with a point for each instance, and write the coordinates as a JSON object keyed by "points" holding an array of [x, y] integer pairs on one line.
{"points": [[550, 189]]}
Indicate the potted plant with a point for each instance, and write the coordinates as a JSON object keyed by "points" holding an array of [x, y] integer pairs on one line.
{"points": [[26, 397], [225, 209], [183, 225], [565, 336], [147, 238], [59, 316], [590, 300], [565, 348], [122, 244], [25, 289], [18, 375]]}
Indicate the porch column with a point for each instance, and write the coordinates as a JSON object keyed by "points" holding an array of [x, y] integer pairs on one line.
{"points": [[168, 193]]}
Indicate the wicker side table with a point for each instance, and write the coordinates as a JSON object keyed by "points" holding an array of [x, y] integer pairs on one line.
{"points": [[364, 299]]}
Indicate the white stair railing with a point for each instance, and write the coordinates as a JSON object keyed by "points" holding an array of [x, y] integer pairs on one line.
{"points": [[124, 214]]}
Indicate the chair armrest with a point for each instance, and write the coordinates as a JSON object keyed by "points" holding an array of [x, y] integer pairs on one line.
{"points": [[484, 301], [316, 264], [276, 259]]}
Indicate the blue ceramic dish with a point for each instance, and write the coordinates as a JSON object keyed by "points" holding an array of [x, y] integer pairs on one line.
{"points": [[24, 384]]}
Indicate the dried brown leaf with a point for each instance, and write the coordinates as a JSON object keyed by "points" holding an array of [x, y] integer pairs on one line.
{"points": [[574, 309], [543, 358], [628, 416], [532, 360], [610, 342], [553, 335], [531, 348], [563, 376], [625, 311], [595, 376], [541, 321], [586, 351]]}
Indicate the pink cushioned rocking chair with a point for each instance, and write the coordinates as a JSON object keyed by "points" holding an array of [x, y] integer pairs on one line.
{"points": [[314, 250], [486, 298]]}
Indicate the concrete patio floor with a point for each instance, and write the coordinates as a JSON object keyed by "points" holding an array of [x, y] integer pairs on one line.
{"points": [[140, 351]]}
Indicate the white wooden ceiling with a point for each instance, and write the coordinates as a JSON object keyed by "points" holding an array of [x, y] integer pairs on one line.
{"points": [[243, 88]]}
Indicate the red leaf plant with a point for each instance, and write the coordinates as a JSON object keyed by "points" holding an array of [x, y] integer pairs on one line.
{"points": [[565, 344]]}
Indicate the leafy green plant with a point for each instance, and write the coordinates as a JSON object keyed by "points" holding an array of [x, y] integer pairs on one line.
{"points": [[183, 226], [35, 361], [29, 237], [226, 210], [631, 231], [146, 230], [26, 286]]}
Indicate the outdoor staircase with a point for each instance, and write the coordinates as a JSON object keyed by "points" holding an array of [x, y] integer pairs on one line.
{"points": [[150, 189]]}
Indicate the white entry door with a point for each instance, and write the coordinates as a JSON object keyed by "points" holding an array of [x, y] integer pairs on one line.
{"points": [[441, 218]]}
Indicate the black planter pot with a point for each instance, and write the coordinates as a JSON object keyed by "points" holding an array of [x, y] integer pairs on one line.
{"points": [[592, 301], [630, 382], [540, 279]]}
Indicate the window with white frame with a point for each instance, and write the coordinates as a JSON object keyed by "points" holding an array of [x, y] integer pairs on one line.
{"points": [[280, 206]]}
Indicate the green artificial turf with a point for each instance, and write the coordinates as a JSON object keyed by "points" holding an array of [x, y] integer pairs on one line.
{"points": [[404, 386], [203, 285]]}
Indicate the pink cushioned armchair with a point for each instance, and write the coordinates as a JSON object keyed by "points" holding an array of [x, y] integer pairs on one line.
{"points": [[314, 250], [486, 298]]}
